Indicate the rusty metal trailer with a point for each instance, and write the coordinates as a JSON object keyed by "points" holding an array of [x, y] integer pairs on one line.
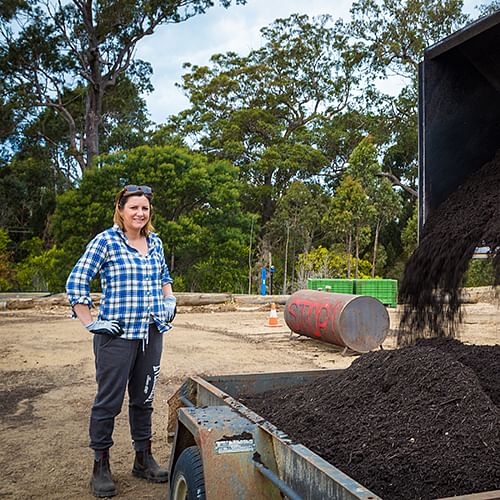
{"points": [[239, 455], [222, 450]]}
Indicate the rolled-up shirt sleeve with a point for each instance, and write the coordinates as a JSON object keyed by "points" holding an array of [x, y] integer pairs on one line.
{"points": [[165, 274], [89, 264]]}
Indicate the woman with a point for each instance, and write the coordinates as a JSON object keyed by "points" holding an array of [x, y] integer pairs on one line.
{"points": [[136, 308]]}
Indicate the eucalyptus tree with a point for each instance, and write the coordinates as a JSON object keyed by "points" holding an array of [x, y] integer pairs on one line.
{"points": [[392, 36], [348, 217], [28, 188], [259, 110], [38, 167], [49, 49], [296, 226], [384, 202], [489, 7], [394, 33]]}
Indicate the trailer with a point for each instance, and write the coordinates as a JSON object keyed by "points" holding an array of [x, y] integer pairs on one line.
{"points": [[223, 450]]}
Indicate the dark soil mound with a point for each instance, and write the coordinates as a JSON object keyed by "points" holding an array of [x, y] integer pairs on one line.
{"points": [[413, 423], [484, 360], [430, 289]]}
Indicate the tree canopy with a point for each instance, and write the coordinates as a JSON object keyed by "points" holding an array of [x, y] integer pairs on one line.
{"points": [[292, 153], [195, 206], [53, 55], [259, 110]]}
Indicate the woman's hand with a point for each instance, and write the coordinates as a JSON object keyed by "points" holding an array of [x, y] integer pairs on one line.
{"points": [[111, 328], [170, 307]]}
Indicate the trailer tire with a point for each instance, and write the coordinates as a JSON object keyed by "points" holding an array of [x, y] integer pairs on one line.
{"points": [[188, 482]]}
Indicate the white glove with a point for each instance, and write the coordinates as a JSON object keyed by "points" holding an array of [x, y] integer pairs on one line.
{"points": [[170, 307], [112, 328]]}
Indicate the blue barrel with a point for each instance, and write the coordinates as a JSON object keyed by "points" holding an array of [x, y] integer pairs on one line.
{"points": [[358, 322]]}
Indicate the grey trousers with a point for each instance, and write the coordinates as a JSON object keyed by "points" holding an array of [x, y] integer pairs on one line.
{"points": [[120, 363]]}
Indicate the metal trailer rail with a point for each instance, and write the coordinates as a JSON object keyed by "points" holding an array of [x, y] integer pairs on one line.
{"points": [[244, 456]]}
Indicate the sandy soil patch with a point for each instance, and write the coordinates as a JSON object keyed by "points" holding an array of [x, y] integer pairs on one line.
{"points": [[47, 387]]}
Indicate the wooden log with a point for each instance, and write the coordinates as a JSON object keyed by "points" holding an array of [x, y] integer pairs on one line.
{"points": [[19, 303], [487, 294], [260, 299], [201, 299], [469, 295]]}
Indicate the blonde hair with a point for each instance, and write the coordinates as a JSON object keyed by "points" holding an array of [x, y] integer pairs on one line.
{"points": [[120, 201]]}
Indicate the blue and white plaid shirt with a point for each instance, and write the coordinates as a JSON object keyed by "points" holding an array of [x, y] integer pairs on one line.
{"points": [[131, 283]]}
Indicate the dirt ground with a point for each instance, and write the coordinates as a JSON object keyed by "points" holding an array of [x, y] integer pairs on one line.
{"points": [[47, 387]]}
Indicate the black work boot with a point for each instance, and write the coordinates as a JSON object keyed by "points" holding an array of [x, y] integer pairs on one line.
{"points": [[101, 482], [145, 466]]}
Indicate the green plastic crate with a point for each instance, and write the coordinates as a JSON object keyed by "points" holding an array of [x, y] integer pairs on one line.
{"points": [[314, 283], [385, 290], [341, 286], [334, 285]]}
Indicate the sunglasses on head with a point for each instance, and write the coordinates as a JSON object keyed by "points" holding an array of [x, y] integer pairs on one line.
{"points": [[133, 189]]}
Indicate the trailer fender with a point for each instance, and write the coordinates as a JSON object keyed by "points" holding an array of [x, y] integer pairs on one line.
{"points": [[228, 443]]}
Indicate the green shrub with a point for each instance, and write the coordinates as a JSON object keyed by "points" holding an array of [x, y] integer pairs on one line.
{"points": [[324, 263], [43, 270], [7, 268], [480, 273]]}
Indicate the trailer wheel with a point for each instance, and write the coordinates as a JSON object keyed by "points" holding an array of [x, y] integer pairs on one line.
{"points": [[187, 481]]}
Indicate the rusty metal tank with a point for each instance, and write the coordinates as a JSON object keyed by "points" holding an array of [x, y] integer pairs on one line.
{"points": [[358, 322]]}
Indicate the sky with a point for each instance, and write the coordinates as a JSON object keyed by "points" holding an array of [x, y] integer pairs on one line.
{"points": [[220, 30]]}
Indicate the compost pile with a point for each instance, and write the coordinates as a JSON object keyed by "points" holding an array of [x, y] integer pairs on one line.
{"points": [[430, 289], [419, 422]]}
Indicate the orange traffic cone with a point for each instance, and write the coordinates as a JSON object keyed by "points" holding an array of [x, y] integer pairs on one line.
{"points": [[272, 320]]}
